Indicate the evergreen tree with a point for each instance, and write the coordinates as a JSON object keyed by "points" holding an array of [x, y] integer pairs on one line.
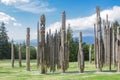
{"points": [[73, 45], [115, 25], [4, 47]]}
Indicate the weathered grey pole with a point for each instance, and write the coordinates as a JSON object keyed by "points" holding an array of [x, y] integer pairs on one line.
{"points": [[107, 43], [43, 66], [20, 57], [63, 51], [38, 49], [113, 47], [28, 50], [99, 42], [59, 39], [12, 54], [67, 50], [47, 51], [90, 53], [95, 45], [80, 55], [118, 49], [51, 50]]}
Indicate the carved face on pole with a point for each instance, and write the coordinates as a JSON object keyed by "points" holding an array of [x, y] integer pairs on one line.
{"points": [[42, 19]]}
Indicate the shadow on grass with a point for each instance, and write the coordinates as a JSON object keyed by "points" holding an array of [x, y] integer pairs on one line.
{"points": [[85, 72]]}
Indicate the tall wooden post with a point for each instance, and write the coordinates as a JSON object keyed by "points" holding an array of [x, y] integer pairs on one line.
{"points": [[80, 55], [12, 54], [95, 45], [63, 49], [20, 57], [113, 46], [107, 43], [90, 53], [28, 50], [38, 49], [59, 39], [47, 51], [118, 49], [43, 66], [99, 42]]}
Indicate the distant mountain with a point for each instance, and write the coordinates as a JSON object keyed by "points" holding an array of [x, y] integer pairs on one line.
{"points": [[88, 39], [33, 42]]}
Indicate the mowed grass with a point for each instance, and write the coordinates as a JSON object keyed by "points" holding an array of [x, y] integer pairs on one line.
{"points": [[20, 73]]}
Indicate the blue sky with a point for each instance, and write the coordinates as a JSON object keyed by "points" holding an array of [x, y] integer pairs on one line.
{"points": [[20, 14]]}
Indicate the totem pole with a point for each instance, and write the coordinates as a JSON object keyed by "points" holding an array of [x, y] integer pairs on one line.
{"points": [[90, 53], [99, 42], [20, 57], [38, 49], [28, 50], [12, 54], [43, 67], [63, 47], [107, 43], [80, 55], [118, 49]]}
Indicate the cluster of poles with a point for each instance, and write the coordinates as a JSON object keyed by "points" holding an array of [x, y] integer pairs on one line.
{"points": [[53, 49], [106, 48]]}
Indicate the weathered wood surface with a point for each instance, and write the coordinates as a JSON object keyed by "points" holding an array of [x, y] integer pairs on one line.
{"points": [[28, 50], [12, 54], [80, 55], [20, 56]]}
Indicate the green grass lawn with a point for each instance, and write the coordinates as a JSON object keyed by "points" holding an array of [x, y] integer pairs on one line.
{"points": [[17, 73]]}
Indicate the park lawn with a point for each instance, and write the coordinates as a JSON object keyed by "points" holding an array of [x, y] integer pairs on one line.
{"points": [[17, 73]]}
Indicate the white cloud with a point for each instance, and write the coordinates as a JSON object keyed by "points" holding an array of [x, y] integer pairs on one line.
{"points": [[12, 2], [36, 6], [87, 23], [17, 24], [13, 26], [6, 18]]}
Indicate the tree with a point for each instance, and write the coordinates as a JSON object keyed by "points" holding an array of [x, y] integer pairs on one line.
{"points": [[73, 45], [4, 46], [115, 25], [85, 51]]}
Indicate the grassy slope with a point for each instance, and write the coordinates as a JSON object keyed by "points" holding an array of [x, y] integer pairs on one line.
{"points": [[16, 73]]}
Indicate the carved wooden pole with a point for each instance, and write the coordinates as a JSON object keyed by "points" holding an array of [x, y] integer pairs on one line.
{"points": [[38, 49], [59, 39], [57, 52], [55, 49], [90, 53], [47, 51], [99, 42], [67, 50], [113, 48], [95, 45], [118, 49], [107, 44], [80, 55], [63, 50], [12, 54], [50, 44], [20, 57], [28, 50], [43, 66]]}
